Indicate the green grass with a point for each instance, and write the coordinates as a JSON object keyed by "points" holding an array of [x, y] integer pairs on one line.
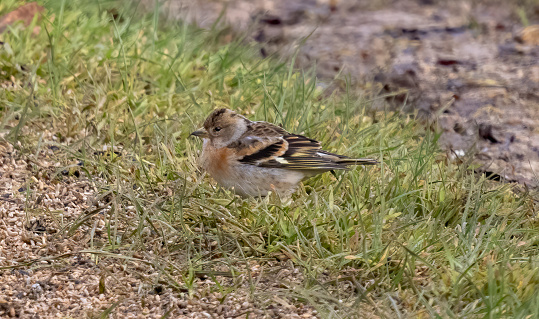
{"points": [[416, 236]]}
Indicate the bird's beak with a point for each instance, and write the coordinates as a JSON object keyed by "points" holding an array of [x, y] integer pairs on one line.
{"points": [[200, 133]]}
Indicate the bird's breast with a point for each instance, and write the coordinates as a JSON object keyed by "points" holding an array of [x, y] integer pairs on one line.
{"points": [[216, 161]]}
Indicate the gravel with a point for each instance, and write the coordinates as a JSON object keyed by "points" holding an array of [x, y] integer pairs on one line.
{"points": [[46, 271]]}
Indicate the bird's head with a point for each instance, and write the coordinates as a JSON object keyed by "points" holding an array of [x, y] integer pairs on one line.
{"points": [[222, 127]]}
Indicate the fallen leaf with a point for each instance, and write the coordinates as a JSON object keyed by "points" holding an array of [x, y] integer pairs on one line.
{"points": [[529, 35], [24, 13]]}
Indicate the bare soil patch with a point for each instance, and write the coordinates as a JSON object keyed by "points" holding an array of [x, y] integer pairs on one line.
{"points": [[47, 270]]}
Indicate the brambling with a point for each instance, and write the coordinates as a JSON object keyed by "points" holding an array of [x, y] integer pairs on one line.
{"points": [[254, 158]]}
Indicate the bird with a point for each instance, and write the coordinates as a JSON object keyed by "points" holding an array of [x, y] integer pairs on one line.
{"points": [[256, 158]]}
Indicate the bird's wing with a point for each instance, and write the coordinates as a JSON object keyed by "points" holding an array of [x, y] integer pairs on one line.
{"points": [[267, 145], [303, 153], [262, 141]]}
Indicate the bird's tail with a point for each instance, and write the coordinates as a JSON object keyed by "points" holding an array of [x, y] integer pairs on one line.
{"points": [[358, 161]]}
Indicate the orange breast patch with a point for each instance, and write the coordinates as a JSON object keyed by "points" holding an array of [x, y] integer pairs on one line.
{"points": [[219, 163]]}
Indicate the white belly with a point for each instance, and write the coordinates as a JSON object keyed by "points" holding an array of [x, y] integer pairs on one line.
{"points": [[250, 180]]}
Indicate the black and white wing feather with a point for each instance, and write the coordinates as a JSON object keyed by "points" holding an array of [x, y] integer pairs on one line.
{"points": [[267, 145]]}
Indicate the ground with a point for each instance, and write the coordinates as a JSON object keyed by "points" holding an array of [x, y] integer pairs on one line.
{"points": [[60, 279], [104, 212]]}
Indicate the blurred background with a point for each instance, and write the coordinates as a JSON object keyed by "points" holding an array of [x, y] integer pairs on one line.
{"points": [[471, 66]]}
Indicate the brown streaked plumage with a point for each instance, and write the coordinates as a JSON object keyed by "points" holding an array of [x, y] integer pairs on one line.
{"points": [[254, 158]]}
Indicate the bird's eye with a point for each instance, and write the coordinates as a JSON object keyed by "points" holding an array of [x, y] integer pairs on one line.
{"points": [[217, 129]]}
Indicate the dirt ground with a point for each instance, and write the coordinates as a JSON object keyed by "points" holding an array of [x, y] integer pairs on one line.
{"points": [[468, 65], [54, 274]]}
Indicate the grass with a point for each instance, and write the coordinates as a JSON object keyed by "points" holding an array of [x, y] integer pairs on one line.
{"points": [[416, 236]]}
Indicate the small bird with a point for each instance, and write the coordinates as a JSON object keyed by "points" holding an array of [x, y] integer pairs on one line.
{"points": [[254, 158]]}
